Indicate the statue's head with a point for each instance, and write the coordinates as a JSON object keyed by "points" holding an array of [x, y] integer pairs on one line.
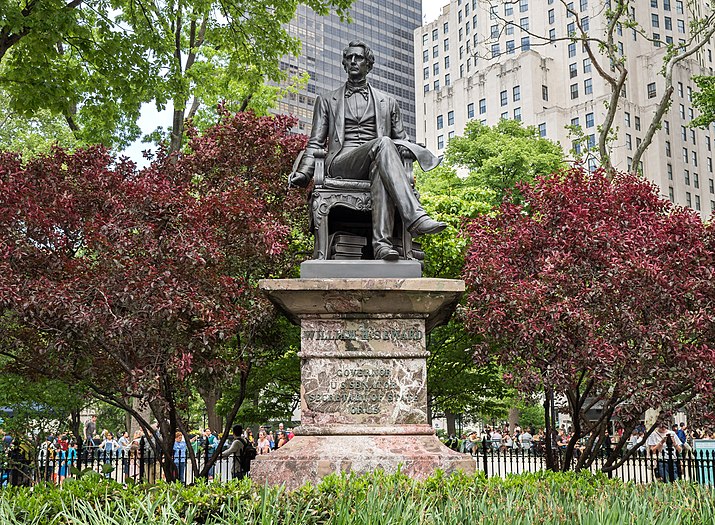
{"points": [[358, 60]]}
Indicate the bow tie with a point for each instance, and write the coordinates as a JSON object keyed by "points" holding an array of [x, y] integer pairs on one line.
{"points": [[351, 90]]}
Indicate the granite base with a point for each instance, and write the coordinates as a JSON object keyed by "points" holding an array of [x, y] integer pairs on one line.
{"points": [[310, 458]]}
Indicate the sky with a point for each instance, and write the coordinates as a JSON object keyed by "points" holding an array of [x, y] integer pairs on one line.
{"points": [[150, 118]]}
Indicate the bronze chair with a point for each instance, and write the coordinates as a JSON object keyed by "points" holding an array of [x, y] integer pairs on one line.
{"points": [[344, 206]]}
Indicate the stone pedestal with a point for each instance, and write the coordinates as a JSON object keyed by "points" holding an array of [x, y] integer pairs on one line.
{"points": [[364, 378]]}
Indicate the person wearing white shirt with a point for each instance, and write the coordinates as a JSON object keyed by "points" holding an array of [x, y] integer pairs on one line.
{"points": [[665, 445]]}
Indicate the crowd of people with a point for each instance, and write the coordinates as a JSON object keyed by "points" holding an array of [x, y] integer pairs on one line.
{"points": [[502, 439], [125, 457]]}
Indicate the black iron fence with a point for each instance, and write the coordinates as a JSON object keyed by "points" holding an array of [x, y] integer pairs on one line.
{"points": [[698, 466], [21, 467]]}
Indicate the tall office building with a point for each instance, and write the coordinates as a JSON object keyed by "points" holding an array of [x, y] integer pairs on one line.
{"points": [[387, 27], [482, 60]]}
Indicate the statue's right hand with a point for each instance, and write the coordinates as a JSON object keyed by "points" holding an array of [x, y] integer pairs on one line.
{"points": [[298, 179]]}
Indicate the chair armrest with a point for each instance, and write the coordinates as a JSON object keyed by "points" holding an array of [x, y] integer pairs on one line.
{"points": [[319, 172]]}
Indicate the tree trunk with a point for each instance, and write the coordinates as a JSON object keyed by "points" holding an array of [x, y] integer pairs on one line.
{"points": [[451, 423], [514, 415], [211, 396]]}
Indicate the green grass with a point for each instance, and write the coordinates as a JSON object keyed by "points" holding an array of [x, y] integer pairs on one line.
{"points": [[540, 498]]}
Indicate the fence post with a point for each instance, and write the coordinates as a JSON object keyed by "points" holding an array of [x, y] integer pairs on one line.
{"points": [[484, 456], [671, 459]]}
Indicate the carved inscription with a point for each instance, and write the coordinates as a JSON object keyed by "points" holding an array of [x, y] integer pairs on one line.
{"points": [[385, 389], [363, 334]]}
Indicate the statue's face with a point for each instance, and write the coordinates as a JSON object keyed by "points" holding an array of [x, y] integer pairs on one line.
{"points": [[355, 64]]}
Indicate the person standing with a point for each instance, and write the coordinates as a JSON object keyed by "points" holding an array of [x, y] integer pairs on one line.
{"points": [[235, 451], [90, 429], [665, 445], [180, 452]]}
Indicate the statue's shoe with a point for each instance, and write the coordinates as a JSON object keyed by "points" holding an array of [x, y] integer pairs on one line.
{"points": [[387, 254], [426, 226]]}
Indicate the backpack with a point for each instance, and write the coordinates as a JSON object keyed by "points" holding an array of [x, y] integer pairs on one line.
{"points": [[248, 454]]}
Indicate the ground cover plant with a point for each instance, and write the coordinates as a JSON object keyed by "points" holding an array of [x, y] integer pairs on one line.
{"points": [[537, 498]]}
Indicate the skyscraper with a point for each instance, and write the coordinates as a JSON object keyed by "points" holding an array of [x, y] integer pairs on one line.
{"points": [[387, 27], [491, 60]]}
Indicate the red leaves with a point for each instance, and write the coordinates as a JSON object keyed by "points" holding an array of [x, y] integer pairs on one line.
{"points": [[596, 275], [148, 270]]}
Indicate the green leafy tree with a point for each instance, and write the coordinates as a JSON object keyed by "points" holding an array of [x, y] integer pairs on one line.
{"points": [[704, 100], [500, 156], [456, 385], [94, 63]]}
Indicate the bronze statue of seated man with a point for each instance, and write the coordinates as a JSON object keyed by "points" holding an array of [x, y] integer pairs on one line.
{"points": [[359, 127]]}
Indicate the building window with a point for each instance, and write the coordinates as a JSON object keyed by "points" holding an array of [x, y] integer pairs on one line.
{"points": [[583, 5], [574, 91], [668, 152], [696, 180], [440, 142], [495, 50], [510, 47], [545, 92], [516, 93], [445, 28], [425, 39], [494, 31], [572, 50], [668, 23], [573, 70], [688, 199], [679, 6], [571, 29], [685, 155], [552, 16], [629, 142], [589, 120], [666, 5], [711, 185], [524, 23], [638, 123], [426, 88], [671, 194], [446, 62], [425, 73], [525, 43], [669, 169], [445, 44], [666, 125], [436, 85], [435, 68], [542, 129], [651, 90], [585, 24], [591, 141], [503, 98], [586, 65], [654, 20], [686, 177], [440, 121], [435, 51], [681, 26], [450, 118], [517, 113], [504, 115], [552, 35], [697, 202], [450, 135], [470, 110], [435, 34], [508, 9], [587, 86], [425, 55], [447, 79], [482, 106], [694, 156], [523, 6], [627, 118]]}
